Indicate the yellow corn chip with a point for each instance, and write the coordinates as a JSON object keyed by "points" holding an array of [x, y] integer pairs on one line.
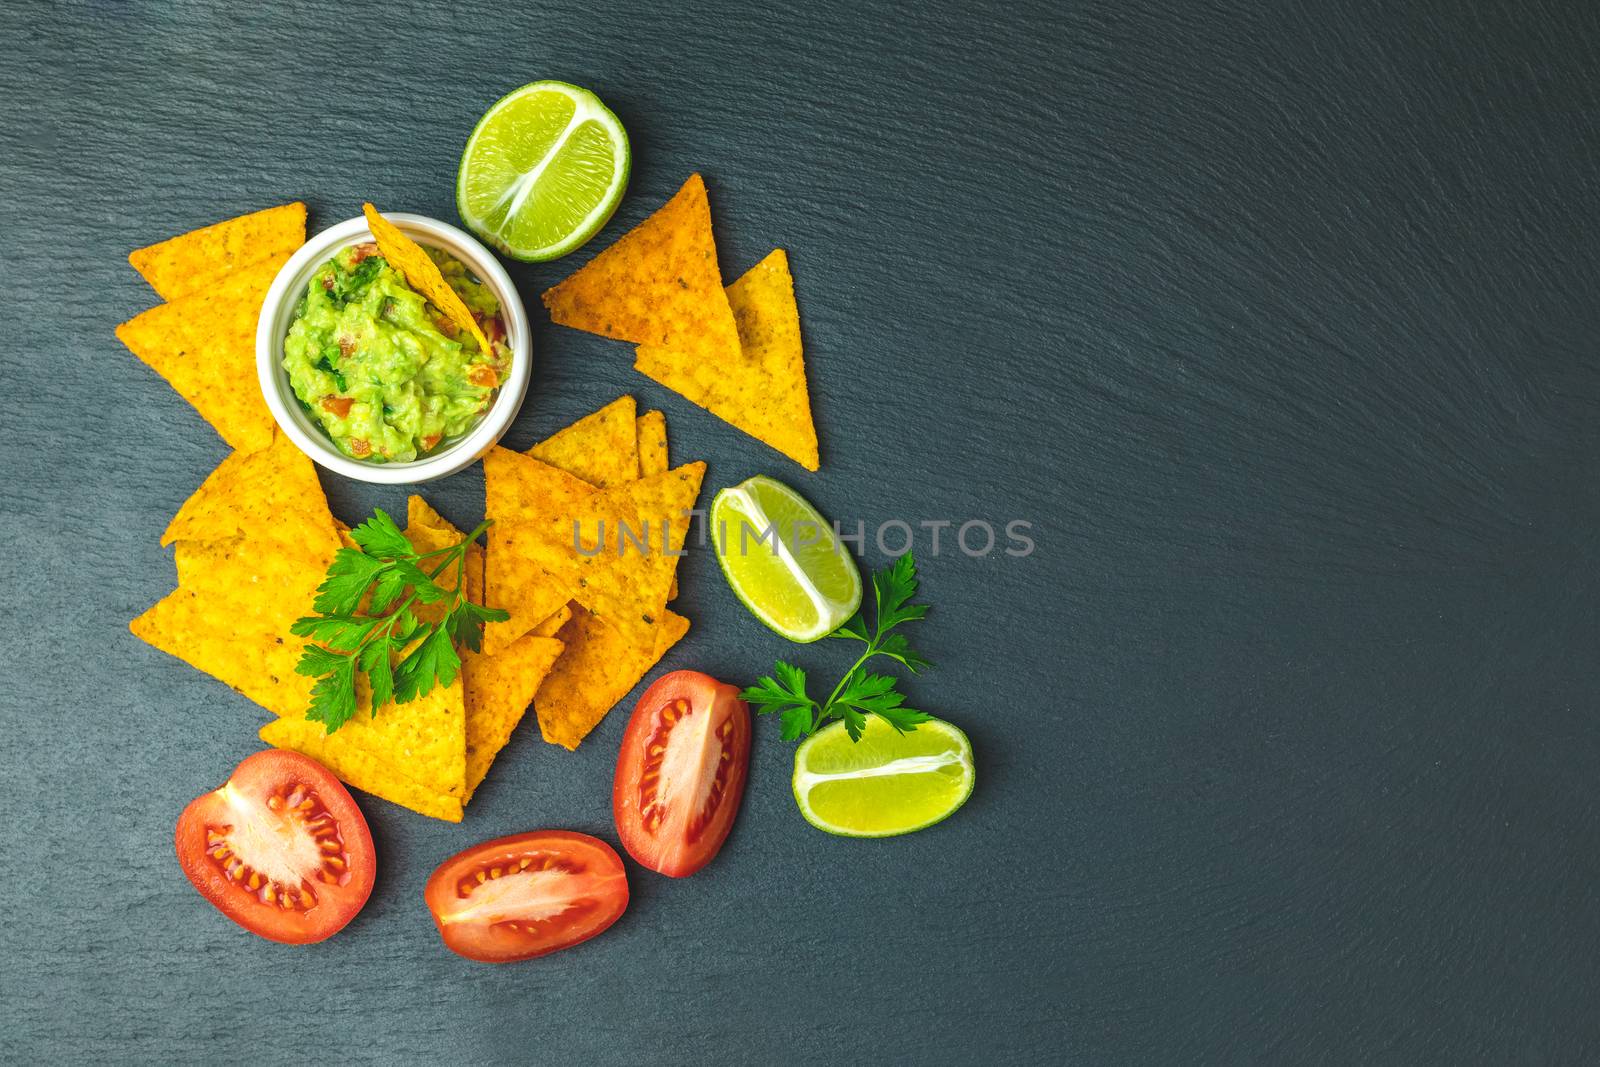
{"points": [[759, 388], [598, 668], [204, 345], [517, 489], [658, 285], [201, 258], [601, 448], [359, 767], [252, 492], [552, 626], [651, 430], [424, 741], [428, 531], [625, 580], [407, 257], [254, 658], [252, 545], [498, 687]]}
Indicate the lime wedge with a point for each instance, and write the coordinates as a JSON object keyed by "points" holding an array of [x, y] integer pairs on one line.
{"points": [[887, 783], [783, 559], [543, 171]]}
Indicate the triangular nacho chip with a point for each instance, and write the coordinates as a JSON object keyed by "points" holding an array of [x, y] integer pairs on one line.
{"points": [[552, 626], [204, 345], [651, 430], [760, 388], [425, 741], [360, 768], [627, 579], [658, 285], [201, 258], [253, 543], [252, 492], [516, 490], [252, 658], [498, 687], [409, 258], [601, 448], [598, 668]]}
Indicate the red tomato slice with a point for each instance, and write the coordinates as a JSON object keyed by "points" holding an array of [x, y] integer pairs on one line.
{"points": [[681, 771], [281, 849], [518, 897]]}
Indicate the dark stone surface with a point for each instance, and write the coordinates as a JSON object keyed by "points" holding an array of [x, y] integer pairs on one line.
{"points": [[1277, 319]]}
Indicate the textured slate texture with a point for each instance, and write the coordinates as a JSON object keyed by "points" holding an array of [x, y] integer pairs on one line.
{"points": [[1278, 320]]}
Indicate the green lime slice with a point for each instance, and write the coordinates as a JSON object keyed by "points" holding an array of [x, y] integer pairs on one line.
{"points": [[543, 171], [887, 783], [783, 559]]}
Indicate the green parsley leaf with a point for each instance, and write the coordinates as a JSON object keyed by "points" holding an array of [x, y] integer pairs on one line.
{"points": [[432, 660], [895, 646], [381, 538], [346, 582], [860, 692], [795, 722], [333, 698], [855, 627], [374, 659], [364, 621]]}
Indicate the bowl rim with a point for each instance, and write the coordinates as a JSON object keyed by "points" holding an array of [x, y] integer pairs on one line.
{"points": [[273, 326]]}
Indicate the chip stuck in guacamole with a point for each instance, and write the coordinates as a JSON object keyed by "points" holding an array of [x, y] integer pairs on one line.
{"points": [[385, 373]]}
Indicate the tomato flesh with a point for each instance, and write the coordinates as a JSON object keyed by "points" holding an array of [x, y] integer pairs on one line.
{"points": [[681, 772], [280, 848], [529, 895]]}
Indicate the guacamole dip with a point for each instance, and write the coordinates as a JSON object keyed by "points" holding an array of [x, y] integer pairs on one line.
{"points": [[384, 372]]}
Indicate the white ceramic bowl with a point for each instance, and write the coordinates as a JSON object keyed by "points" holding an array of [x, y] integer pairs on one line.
{"points": [[278, 310]]}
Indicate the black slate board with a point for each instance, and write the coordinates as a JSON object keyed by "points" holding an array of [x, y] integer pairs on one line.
{"points": [[1277, 320]]}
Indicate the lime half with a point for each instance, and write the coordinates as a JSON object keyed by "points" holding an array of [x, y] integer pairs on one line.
{"points": [[543, 171], [887, 783], [783, 559]]}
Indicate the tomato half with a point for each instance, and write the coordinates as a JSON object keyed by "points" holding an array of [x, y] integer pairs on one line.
{"points": [[518, 897], [681, 772], [281, 849]]}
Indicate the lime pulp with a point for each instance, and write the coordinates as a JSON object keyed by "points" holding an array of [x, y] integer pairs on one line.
{"points": [[542, 171]]}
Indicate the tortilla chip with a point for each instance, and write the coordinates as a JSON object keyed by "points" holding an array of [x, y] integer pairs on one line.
{"points": [[424, 741], [358, 767], [428, 531], [658, 285], [601, 448], [761, 387], [408, 257], [517, 489], [500, 687], [251, 656], [598, 668], [252, 492], [621, 581], [204, 345], [199, 259], [552, 626], [651, 430], [253, 543]]}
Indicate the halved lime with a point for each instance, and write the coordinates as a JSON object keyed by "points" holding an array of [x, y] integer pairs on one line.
{"points": [[543, 171], [783, 559], [887, 783]]}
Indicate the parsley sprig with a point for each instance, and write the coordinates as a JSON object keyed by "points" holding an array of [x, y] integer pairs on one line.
{"points": [[365, 620], [860, 692]]}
